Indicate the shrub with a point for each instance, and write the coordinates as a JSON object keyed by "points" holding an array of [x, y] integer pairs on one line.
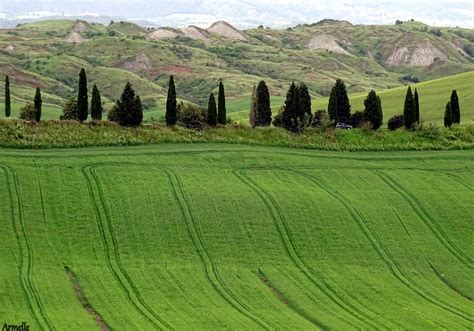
{"points": [[396, 122], [356, 119], [69, 110], [190, 116], [28, 112]]}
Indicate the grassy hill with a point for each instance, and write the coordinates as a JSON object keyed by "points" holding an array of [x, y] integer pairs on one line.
{"points": [[434, 95], [239, 237], [49, 54]]}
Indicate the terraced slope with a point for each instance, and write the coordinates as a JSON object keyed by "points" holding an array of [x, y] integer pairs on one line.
{"points": [[216, 236]]}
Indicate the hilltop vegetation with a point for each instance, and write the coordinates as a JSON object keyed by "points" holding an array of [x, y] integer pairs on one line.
{"points": [[232, 237], [49, 54]]}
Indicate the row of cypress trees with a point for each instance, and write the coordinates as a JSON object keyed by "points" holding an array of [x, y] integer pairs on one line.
{"points": [[216, 112]]}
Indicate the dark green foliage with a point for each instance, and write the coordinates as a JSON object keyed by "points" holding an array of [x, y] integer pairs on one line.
{"points": [[28, 112], [82, 102], [373, 110], [290, 112], [38, 104], [339, 108], [190, 116], [253, 107], [264, 112], [7, 97], [221, 110], [96, 104], [417, 107], [396, 122], [357, 118], [332, 104], [455, 110], [409, 109], [128, 110], [448, 115], [171, 109], [278, 119], [212, 111], [69, 110], [304, 102]]}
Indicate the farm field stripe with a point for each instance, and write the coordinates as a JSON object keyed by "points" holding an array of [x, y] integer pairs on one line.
{"points": [[395, 269], [210, 268], [447, 283], [426, 218], [112, 254], [292, 253], [24, 286], [28, 286], [282, 297]]}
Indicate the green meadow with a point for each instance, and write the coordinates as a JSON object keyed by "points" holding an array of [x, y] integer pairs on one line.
{"points": [[215, 236]]}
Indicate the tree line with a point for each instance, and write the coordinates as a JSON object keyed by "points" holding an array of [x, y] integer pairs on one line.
{"points": [[295, 115]]}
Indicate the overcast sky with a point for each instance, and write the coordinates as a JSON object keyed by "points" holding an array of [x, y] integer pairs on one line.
{"points": [[247, 13]]}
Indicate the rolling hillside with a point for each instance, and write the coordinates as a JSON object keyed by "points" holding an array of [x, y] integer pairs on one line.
{"points": [[49, 54], [239, 237], [434, 95]]}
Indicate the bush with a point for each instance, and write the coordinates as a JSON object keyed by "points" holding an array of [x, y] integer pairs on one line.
{"points": [[396, 122], [191, 116], [28, 112], [356, 119], [69, 110], [321, 120]]}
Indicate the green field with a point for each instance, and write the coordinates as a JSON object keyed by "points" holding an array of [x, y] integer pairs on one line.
{"points": [[215, 236]]}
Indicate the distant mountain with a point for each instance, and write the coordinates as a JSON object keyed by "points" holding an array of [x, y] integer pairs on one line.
{"points": [[50, 54]]}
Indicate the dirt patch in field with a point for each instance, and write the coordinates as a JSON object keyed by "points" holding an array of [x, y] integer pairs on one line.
{"points": [[327, 42], [20, 77], [194, 32], [139, 62], [424, 54], [80, 27], [9, 48], [74, 38], [163, 33], [226, 30], [177, 69], [83, 300]]}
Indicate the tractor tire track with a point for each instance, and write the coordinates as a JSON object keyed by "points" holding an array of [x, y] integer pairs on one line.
{"points": [[210, 269], [292, 253], [427, 219], [110, 245], [376, 243], [25, 268], [283, 299]]}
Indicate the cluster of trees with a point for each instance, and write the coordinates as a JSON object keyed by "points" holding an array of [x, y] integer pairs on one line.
{"points": [[294, 116], [452, 114], [192, 116]]}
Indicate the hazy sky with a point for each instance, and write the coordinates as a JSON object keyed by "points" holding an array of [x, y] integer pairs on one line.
{"points": [[247, 13]]}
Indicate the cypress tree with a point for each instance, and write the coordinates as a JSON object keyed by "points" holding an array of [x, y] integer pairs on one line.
{"points": [[417, 107], [332, 105], [455, 110], [343, 107], [128, 109], [409, 109], [290, 112], [38, 104], [221, 111], [7, 97], [264, 112], [253, 107], [212, 111], [171, 108], [304, 100], [96, 104], [448, 116], [373, 110], [379, 104], [82, 103]]}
